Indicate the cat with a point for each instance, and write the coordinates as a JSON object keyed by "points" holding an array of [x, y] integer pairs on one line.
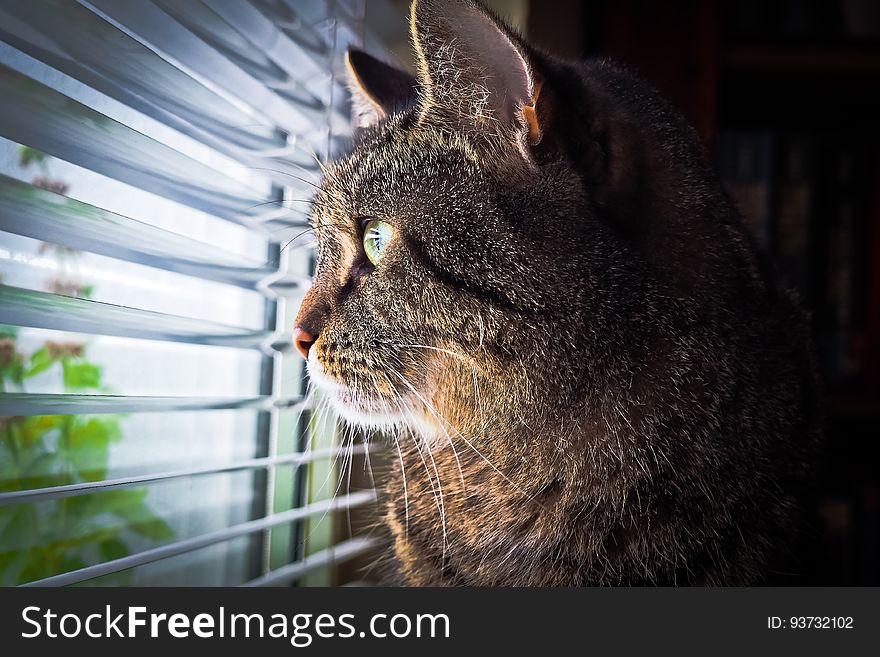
{"points": [[529, 277]]}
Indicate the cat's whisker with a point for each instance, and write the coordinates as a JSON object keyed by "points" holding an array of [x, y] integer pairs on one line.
{"points": [[438, 499], [317, 226], [308, 150], [441, 505], [280, 202], [479, 399], [346, 437], [448, 437], [301, 179], [348, 482], [368, 466], [394, 437], [312, 396], [445, 539], [405, 487], [328, 411], [289, 175], [320, 418], [305, 231], [307, 407], [445, 351], [478, 452], [294, 238], [434, 463]]}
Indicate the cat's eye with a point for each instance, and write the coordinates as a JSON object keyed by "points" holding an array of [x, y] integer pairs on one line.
{"points": [[377, 234]]}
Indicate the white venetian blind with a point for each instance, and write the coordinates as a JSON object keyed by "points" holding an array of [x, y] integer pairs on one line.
{"points": [[156, 159]]}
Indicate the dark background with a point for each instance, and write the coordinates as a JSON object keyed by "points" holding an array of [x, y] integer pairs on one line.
{"points": [[786, 96]]}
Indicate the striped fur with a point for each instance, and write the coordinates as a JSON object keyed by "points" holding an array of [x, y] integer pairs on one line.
{"points": [[585, 372]]}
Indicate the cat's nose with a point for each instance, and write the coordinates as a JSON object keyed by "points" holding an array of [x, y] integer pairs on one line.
{"points": [[303, 340]]}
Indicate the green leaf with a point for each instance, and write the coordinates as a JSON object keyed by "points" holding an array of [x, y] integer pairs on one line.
{"points": [[40, 471], [36, 427], [113, 548], [38, 451], [11, 565], [94, 431], [71, 563], [37, 566], [117, 502], [81, 375], [40, 361], [15, 526], [13, 370], [156, 529], [121, 498], [89, 443], [82, 506]]}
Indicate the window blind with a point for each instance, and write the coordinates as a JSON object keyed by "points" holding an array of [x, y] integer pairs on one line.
{"points": [[156, 162]]}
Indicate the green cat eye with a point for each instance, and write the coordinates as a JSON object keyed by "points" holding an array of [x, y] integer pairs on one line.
{"points": [[376, 237]]}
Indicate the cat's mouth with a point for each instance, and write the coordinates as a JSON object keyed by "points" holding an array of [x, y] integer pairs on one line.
{"points": [[365, 409]]}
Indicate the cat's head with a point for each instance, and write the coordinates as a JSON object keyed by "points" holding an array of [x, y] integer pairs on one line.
{"points": [[458, 242]]}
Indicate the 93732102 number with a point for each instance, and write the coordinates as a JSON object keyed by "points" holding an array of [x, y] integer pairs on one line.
{"points": [[810, 623]]}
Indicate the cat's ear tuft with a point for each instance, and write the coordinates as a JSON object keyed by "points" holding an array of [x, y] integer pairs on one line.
{"points": [[377, 89], [472, 66]]}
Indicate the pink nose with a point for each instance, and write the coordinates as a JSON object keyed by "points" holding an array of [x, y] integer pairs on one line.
{"points": [[303, 340]]}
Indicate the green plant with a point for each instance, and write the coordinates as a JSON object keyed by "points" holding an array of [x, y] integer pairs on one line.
{"points": [[45, 538]]}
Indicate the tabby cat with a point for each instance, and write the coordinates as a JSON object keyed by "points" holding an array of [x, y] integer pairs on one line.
{"points": [[529, 277]]}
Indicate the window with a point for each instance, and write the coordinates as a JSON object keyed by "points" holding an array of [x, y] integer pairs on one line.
{"points": [[156, 159]]}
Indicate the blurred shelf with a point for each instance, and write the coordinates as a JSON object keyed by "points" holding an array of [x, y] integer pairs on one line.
{"points": [[818, 60]]}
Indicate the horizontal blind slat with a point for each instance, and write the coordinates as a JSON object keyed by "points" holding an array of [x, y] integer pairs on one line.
{"points": [[224, 74], [276, 58], [296, 114], [284, 49], [335, 554], [14, 404], [105, 58], [20, 307], [88, 487], [40, 214], [35, 115], [100, 55], [350, 501], [298, 24]]}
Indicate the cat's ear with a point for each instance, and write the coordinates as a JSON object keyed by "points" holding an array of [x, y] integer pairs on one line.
{"points": [[472, 66], [377, 89]]}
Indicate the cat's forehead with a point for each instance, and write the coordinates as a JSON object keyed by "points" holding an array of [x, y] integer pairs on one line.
{"points": [[396, 163]]}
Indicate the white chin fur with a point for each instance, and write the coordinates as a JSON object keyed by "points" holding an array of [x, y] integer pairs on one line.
{"points": [[368, 419]]}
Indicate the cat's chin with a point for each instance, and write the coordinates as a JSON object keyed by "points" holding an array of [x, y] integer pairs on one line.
{"points": [[357, 408], [367, 418]]}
